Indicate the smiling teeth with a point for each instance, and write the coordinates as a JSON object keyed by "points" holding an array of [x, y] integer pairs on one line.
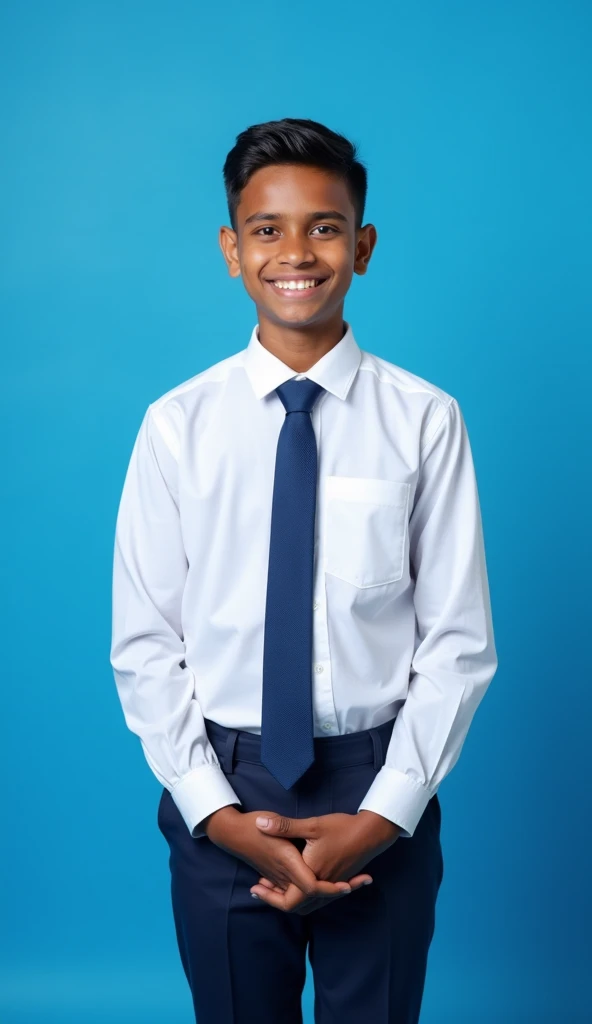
{"points": [[296, 285]]}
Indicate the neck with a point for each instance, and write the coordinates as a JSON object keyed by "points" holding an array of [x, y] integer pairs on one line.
{"points": [[301, 347]]}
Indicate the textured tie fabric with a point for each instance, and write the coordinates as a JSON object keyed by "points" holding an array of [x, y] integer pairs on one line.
{"points": [[287, 748]]}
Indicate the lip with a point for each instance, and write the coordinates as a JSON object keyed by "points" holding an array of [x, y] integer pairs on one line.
{"points": [[295, 293]]}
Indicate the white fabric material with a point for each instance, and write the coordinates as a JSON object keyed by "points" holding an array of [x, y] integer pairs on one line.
{"points": [[401, 613]]}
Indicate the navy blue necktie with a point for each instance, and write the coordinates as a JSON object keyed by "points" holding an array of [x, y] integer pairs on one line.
{"points": [[287, 730]]}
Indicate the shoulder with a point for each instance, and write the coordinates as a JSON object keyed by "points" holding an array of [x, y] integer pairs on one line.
{"points": [[395, 376], [428, 404], [170, 411]]}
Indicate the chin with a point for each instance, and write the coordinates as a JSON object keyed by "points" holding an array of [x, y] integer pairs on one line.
{"points": [[298, 321]]}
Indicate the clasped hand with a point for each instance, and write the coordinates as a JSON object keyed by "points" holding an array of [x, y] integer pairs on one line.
{"points": [[329, 866]]}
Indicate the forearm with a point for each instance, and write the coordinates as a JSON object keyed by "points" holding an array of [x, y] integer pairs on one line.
{"points": [[378, 831]]}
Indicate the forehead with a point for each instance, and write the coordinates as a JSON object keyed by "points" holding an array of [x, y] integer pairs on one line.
{"points": [[293, 190]]}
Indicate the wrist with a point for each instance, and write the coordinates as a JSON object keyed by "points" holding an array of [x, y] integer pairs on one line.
{"points": [[377, 827], [222, 819]]}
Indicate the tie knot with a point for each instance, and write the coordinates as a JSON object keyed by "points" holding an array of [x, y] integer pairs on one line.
{"points": [[299, 395]]}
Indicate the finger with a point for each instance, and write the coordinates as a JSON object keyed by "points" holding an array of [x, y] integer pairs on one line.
{"points": [[279, 825], [271, 885], [293, 902], [293, 899], [355, 883], [324, 888], [300, 874], [294, 895], [359, 880], [269, 896], [314, 903]]}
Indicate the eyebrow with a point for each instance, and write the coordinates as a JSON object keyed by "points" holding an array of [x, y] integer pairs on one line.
{"points": [[317, 215]]}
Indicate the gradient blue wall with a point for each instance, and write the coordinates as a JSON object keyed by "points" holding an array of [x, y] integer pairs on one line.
{"points": [[473, 119]]}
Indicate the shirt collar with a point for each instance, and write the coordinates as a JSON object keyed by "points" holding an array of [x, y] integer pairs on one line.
{"points": [[334, 371]]}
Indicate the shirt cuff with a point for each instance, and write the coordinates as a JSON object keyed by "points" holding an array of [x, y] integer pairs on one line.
{"points": [[397, 797], [200, 793]]}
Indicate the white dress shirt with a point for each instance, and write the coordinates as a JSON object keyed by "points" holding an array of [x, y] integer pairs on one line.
{"points": [[402, 617]]}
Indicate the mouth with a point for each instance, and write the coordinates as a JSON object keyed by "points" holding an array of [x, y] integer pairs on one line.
{"points": [[304, 288]]}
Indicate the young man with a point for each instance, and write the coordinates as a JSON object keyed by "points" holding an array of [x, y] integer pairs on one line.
{"points": [[302, 628]]}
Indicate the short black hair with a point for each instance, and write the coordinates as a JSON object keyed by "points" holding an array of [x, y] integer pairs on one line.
{"points": [[293, 140]]}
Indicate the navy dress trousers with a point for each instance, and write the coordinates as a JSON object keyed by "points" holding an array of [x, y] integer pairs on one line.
{"points": [[245, 961]]}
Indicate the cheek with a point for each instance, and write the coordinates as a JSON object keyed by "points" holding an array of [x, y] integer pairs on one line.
{"points": [[344, 273], [252, 257], [342, 261], [250, 271]]}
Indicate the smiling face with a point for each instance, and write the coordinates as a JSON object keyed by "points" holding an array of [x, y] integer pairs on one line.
{"points": [[296, 246]]}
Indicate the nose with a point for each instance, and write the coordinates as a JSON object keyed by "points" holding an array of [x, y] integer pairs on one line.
{"points": [[296, 249]]}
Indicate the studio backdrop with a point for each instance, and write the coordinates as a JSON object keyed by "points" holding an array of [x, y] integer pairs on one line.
{"points": [[473, 121]]}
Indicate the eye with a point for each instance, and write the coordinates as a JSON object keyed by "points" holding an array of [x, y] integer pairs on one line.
{"points": [[270, 227]]}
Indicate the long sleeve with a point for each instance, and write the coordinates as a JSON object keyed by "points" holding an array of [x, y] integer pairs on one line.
{"points": [[455, 657], [155, 686]]}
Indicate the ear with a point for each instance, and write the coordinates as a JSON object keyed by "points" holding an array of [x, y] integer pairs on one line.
{"points": [[228, 240]]}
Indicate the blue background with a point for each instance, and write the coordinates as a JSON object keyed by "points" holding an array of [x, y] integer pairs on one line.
{"points": [[474, 121]]}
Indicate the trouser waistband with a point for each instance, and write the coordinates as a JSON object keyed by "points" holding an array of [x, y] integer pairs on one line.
{"points": [[330, 752]]}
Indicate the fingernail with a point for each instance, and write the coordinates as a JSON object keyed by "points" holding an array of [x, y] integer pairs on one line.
{"points": [[264, 822], [368, 881], [254, 895], [346, 890]]}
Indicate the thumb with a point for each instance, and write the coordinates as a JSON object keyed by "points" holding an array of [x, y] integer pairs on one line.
{"points": [[279, 825]]}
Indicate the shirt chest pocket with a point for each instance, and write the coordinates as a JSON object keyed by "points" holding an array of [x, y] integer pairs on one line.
{"points": [[366, 526]]}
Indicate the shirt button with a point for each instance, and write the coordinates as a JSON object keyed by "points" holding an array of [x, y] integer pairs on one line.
{"points": [[316, 605], [319, 668], [327, 726]]}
